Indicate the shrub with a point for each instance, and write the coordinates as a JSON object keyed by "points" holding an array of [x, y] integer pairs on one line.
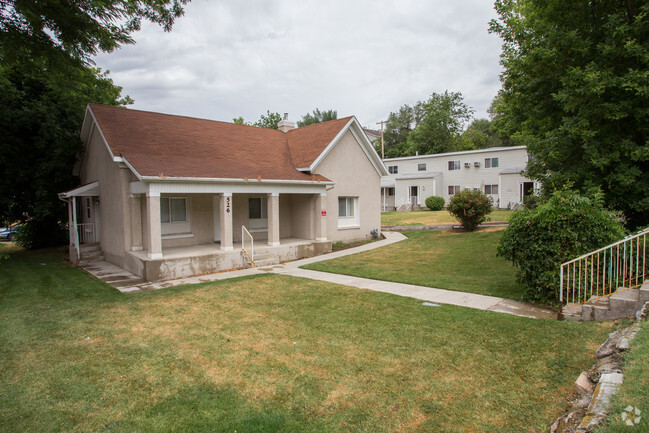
{"points": [[45, 232], [566, 226], [435, 203], [470, 207]]}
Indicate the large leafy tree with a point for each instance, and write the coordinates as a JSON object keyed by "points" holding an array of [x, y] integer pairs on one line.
{"points": [[317, 117], [575, 92], [443, 118], [397, 128], [46, 80]]}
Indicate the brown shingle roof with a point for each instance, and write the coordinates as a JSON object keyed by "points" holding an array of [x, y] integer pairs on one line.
{"points": [[176, 146]]}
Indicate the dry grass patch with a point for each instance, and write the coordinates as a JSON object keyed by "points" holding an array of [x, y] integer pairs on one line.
{"points": [[427, 217]]}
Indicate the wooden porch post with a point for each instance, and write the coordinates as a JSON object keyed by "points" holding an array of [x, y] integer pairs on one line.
{"points": [[273, 219], [154, 240], [226, 221]]}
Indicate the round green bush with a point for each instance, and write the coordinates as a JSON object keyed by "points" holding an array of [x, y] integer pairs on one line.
{"points": [[566, 226], [470, 207], [435, 203]]}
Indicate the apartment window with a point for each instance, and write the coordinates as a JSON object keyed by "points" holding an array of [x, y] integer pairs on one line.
{"points": [[491, 189], [348, 212], [453, 189], [393, 169], [454, 165], [421, 167], [173, 210], [390, 192], [491, 162]]}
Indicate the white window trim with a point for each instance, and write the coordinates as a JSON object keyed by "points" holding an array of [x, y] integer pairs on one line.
{"points": [[352, 222], [458, 165], [177, 228]]}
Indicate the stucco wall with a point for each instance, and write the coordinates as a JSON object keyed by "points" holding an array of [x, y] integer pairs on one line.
{"points": [[113, 193], [354, 176]]}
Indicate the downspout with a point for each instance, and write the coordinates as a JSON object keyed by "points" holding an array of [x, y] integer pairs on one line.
{"points": [[74, 224]]}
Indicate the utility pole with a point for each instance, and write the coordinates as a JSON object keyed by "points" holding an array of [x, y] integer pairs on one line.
{"points": [[382, 144]]}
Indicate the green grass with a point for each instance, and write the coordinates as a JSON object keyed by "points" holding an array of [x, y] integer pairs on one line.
{"points": [[268, 354], [427, 217], [633, 391], [446, 260]]}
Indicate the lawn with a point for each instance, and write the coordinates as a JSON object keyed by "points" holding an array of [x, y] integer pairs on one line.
{"points": [[446, 260], [427, 217], [270, 354]]}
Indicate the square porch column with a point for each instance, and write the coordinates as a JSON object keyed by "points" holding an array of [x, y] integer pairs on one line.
{"points": [[154, 240], [136, 223], [225, 209], [273, 219], [320, 217]]}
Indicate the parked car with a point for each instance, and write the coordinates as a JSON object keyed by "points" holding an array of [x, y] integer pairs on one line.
{"points": [[9, 233]]}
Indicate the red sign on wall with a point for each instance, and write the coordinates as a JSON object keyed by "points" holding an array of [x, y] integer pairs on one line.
{"points": [[323, 213]]}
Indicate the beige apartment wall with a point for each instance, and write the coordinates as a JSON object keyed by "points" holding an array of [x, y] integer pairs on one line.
{"points": [[113, 197], [202, 221], [354, 176], [510, 189]]}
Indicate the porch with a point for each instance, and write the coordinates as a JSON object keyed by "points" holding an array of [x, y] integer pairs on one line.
{"points": [[186, 261]]}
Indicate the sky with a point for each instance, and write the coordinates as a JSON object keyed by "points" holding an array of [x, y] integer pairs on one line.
{"points": [[225, 59]]}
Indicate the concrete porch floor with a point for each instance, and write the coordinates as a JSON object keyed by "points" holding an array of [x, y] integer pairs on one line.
{"points": [[260, 246]]}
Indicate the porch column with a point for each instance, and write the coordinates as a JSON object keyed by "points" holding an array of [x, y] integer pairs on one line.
{"points": [[136, 223], [320, 210], [154, 241], [273, 219], [225, 210]]}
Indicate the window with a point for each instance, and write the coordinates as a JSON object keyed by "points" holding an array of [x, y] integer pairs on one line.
{"points": [[454, 165], [348, 212], [175, 216], [257, 208], [393, 169], [421, 167], [491, 189], [491, 162], [88, 204], [257, 214], [173, 210], [390, 192], [453, 189]]}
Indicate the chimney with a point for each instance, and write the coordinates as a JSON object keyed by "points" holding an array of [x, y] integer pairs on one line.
{"points": [[285, 125]]}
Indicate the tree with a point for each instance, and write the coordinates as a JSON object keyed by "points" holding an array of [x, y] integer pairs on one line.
{"points": [[574, 90], [270, 120], [443, 119], [46, 80], [397, 128], [239, 121], [317, 117], [478, 135]]}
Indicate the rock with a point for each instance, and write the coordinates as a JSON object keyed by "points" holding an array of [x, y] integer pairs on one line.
{"points": [[584, 384], [610, 364], [608, 347], [643, 313]]}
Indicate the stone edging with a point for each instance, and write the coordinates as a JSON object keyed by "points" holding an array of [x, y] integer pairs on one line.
{"points": [[600, 383]]}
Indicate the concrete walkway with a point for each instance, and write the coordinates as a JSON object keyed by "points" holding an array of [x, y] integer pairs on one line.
{"points": [[429, 294]]}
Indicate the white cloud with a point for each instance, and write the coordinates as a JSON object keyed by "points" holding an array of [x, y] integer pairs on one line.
{"points": [[229, 59]]}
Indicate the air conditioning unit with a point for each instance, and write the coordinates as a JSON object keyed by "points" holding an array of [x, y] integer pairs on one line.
{"points": [[467, 165], [476, 164]]}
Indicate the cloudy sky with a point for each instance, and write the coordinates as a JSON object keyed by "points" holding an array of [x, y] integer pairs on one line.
{"points": [[225, 59]]}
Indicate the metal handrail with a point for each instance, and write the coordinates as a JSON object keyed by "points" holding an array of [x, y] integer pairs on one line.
{"points": [[251, 254], [600, 273]]}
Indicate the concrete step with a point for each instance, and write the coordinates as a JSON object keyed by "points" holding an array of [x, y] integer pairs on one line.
{"points": [[624, 302], [596, 310], [265, 259], [572, 313], [643, 293]]}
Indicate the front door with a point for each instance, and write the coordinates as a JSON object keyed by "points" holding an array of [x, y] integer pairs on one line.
{"points": [[527, 188], [414, 195]]}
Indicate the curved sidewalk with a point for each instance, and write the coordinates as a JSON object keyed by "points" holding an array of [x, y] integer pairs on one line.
{"points": [[119, 278]]}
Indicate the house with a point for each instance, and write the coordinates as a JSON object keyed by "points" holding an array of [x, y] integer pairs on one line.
{"points": [[170, 196], [496, 171]]}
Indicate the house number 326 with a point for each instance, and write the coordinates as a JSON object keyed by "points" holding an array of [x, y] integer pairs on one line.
{"points": [[227, 204]]}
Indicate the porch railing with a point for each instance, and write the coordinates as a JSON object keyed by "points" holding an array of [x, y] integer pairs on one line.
{"points": [[595, 275], [250, 251], [86, 233]]}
